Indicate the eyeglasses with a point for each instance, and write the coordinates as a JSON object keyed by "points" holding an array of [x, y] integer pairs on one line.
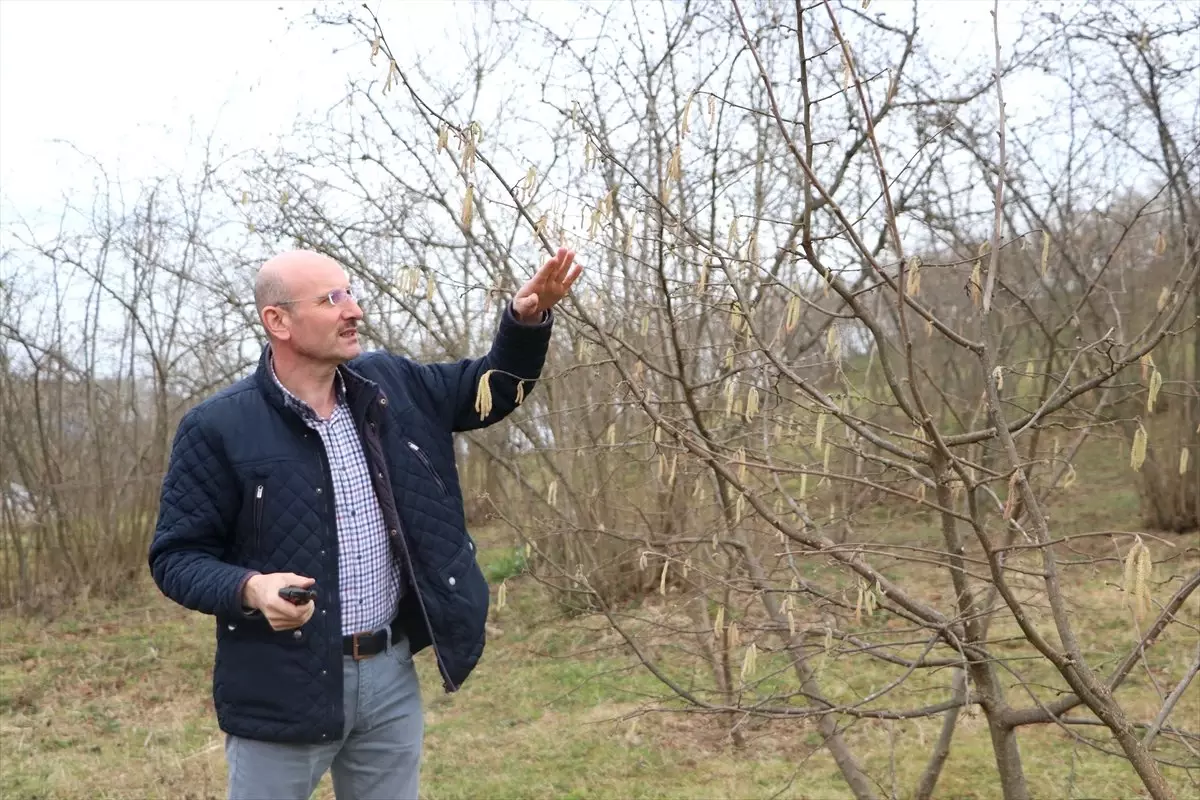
{"points": [[335, 298]]}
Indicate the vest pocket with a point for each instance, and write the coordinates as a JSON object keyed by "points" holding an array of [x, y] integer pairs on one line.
{"points": [[424, 459]]}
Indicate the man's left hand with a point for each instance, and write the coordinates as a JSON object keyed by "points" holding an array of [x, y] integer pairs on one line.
{"points": [[550, 284]]}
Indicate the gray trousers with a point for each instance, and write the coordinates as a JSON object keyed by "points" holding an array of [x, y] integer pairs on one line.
{"points": [[379, 755]]}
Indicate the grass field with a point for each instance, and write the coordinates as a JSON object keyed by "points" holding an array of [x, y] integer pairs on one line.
{"points": [[114, 702]]}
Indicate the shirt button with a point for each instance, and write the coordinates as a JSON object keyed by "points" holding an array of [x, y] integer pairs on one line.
{"points": [[296, 634], [392, 532], [324, 672], [451, 580], [319, 490]]}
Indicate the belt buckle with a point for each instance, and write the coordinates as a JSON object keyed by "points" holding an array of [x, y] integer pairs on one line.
{"points": [[354, 647]]}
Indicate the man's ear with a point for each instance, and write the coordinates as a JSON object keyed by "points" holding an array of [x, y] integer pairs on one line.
{"points": [[275, 321]]}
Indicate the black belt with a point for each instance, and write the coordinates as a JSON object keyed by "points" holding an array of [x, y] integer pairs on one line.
{"points": [[365, 645]]}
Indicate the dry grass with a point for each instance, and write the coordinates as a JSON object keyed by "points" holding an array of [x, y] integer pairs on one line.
{"points": [[108, 702]]}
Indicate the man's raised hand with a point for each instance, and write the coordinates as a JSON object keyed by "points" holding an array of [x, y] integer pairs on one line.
{"points": [[551, 284]]}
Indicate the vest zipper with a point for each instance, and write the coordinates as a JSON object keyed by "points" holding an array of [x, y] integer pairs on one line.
{"points": [[428, 465], [258, 512]]}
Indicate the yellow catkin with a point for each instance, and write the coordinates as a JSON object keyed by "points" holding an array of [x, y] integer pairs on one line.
{"points": [[792, 318], [1130, 565], [735, 317], [1147, 362], [468, 157], [914, 276], [675, 165], [833, 344], [820, 430], [750, 661], [502, 595], [1070, 477], [1183, 461], [468, 208], [1163, 297], [1142, 581], [1137, 453], [483, 396], [1045, 251], [1156, 382], [975, 285], [735, 639], [662, 581], [719, 622], [751, 403]]}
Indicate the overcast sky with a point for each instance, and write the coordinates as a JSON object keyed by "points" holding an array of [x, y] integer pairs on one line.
{"points": [[129, 81], [126, 80]]}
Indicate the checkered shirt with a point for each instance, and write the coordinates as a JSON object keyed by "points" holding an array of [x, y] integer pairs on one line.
{"points": [[368, 575]]}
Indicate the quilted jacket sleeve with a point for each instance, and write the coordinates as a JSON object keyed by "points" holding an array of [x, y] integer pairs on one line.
{"points": [[198, 507], [518, 350]]}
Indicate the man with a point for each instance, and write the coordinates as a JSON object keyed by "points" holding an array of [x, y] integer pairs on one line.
{"points": [[334, 470]]}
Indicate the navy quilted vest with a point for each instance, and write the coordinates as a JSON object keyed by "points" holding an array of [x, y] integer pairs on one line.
{"points": [[213, 526]]}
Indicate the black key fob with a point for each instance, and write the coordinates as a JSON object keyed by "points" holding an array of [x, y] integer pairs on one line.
{"points": [[297, 596]]}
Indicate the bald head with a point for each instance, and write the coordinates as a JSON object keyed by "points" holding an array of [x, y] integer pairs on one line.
{"points": [[282, 277]]}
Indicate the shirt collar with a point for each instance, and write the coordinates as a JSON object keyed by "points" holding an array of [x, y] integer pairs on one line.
{"points": [[305, 410]]}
